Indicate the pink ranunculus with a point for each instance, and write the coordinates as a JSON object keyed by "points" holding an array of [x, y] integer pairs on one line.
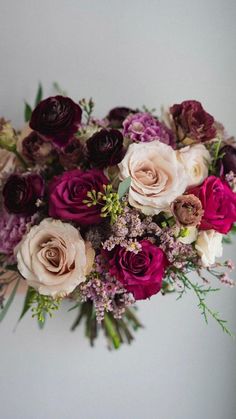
{"points": [[219, 204], [68, 192], [192, 121], [140, 273]]}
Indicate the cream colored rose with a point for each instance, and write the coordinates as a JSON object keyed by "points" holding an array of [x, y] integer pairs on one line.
{"points": [[8, 162], [190, 236], [53, 258], [196, 159], [209, 246], [157, 177]]}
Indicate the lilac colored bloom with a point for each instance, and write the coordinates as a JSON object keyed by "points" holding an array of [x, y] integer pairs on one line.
{"points": [[12, 229], [143, 127]]}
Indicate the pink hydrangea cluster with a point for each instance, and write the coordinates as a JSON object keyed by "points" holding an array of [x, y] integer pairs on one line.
{"points": [[143, 127]]}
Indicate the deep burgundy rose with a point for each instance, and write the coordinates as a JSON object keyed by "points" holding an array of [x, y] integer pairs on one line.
{"points": [[228, 161], [141, 273], [117, 115], [57, 118], [36, 149], [219, 204], [68, 191], [71, 155], [191, 120], [21, 193], [105, 148]]}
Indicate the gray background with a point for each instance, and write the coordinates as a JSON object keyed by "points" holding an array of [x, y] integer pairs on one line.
{"points": [[127, 53]]}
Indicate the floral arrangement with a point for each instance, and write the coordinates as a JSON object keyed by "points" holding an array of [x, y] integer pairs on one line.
{"points": [[104, 213]]}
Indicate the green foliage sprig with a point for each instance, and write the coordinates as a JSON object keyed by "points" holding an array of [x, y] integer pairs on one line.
{"points": [[88, 107], [109, 200], [215, 151]]}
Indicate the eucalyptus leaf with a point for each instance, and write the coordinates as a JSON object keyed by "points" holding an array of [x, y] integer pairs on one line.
{"points": [[4, 311], [28, 112], [39, 95], [124, 187]]}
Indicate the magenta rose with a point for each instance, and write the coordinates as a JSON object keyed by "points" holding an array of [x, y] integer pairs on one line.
{"points": [[140, 273], [219, 204], [191, 120], [56, 118], [68, 192]]}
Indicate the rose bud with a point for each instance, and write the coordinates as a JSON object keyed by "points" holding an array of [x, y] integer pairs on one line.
{"points": [[192, 121], [228, 161], [56, 118], [117, 115], [21, 193], [36, 149], [71, 154], [187, 210], [105, 148]]}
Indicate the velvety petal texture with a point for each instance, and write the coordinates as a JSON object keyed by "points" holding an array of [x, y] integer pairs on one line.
{"points": [[68, 192], [219, 204], [140, 273], [57, 118]]}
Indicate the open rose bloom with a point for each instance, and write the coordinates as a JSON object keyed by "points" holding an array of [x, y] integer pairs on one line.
{"points": [[104, 213]]}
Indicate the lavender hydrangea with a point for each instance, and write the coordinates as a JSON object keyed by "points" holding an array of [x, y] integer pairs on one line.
{"points": [[12, 229], [143, 127]]}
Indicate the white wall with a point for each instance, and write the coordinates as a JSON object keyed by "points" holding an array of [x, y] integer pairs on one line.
{"points": [[132, 53]]}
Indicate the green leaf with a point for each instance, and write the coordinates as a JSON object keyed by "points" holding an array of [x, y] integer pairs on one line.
{"points": [[27, 302], [28, 112], [9, 301], [124, 187], [39, 95]]}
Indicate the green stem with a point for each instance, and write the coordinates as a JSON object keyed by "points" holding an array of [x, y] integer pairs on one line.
{"points": [[111, 331]]}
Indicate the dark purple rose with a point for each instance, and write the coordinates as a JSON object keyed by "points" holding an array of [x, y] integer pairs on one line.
{"points": [[228, 161], [21, 193], [71, 155], [68, 192], [57, 118], [192, 121], [36, 149], [117, 115], [140, 273], [105, 148]]}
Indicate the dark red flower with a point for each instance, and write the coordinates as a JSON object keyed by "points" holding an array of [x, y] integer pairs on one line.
{"points": [[21, 193], [228, 161], [70, 156], [141, 273], [36, 149], [57, 118], [191, 120], [117, 115], [105, 148], [68, 191]]}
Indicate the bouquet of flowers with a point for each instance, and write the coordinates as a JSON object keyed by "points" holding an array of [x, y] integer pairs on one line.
{"points": [[106, 212]]}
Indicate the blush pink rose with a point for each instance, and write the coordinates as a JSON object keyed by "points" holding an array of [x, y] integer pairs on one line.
{"points": [[68, 192], [140, 273], [219, 205]]}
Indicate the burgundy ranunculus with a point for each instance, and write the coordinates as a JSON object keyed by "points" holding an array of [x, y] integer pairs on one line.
{"points": [[57, 118], [228, 161], [141, 273], [71, 154], [192, 121], [36, 149], [117, 115], [219, 204], [105, 148], [68, 191], [21, 193]]}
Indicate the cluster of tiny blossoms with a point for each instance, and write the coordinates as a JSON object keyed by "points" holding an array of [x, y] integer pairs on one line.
{"points": [[106, 293]]}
